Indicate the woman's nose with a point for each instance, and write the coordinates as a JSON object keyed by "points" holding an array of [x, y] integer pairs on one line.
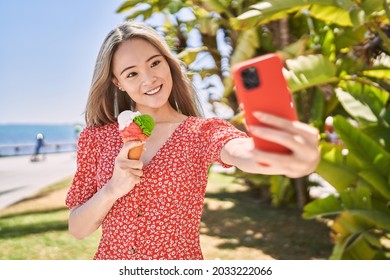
{"points": [[149, 78]]}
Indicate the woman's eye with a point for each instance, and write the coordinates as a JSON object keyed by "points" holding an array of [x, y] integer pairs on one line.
{"points": [[157, 62], [132, 74]]}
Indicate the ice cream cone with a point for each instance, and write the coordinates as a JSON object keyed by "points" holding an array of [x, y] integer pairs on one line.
{"points": [[135, 127], [136, 152]]}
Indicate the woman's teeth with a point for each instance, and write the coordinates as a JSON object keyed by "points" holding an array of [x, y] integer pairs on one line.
{"points": [[153, 91]]}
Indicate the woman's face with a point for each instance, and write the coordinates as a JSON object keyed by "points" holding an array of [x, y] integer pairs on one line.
{"points": [[141, 71]]}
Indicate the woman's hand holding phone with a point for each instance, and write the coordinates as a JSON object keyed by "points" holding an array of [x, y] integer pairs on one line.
{"points": [[301, 139], [280, 143]]}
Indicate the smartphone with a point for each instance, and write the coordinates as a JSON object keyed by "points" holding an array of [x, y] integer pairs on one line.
{"points": [[261, 86]]}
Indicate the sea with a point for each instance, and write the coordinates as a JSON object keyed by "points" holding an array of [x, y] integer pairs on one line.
{"points": [[21, 139]]}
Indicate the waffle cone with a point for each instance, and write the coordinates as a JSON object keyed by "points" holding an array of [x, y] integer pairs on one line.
{"points": [[136, 152]]}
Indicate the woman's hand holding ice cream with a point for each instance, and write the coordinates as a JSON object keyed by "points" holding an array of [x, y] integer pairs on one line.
{"points": [[134, 129], [127, 173]]}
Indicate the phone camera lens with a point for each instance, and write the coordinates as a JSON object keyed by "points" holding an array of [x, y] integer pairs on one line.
{"points": [[250, 78]]}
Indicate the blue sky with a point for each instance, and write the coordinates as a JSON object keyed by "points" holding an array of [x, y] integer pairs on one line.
{"points": [[47, 54]]}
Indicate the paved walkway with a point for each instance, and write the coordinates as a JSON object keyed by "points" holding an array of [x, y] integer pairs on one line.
{"points": [[20, 178]]}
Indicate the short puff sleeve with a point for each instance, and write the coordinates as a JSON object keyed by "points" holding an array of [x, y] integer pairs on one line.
{"points": [[84, 185], [215, 133]]}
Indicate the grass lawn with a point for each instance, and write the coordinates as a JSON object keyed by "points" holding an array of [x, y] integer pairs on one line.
{"points": [[36, 228], [235, 225]]}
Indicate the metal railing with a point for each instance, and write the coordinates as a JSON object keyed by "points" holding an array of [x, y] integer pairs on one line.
{"points": [[29, 149]]}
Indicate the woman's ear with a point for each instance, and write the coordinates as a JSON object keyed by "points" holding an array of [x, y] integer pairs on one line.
{"points": [[115, 82]]}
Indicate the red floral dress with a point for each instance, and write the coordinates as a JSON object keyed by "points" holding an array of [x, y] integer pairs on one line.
{"points": [[160, 217]]}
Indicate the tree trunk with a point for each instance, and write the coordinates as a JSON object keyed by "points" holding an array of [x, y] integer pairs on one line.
{"points": [[301, 191]]}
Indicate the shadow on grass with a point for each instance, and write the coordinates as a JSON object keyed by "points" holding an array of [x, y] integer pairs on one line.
{"points": [[26, 213], [36, 228], [9, 230], [280, 233]]}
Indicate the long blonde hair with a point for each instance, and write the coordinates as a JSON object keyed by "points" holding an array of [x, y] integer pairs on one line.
{"points": [[100, 104]]}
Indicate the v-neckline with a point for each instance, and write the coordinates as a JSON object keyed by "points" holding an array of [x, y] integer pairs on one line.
{"points": [[173, 134]]}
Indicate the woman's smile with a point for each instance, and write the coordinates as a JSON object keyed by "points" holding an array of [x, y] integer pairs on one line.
{"points": [[154, 91]]}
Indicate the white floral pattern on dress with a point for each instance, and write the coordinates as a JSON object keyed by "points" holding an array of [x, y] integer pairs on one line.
{"points": [[160, 217]]}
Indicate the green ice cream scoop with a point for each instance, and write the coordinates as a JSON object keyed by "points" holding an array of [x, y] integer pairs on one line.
{"points": [[146, 123]]}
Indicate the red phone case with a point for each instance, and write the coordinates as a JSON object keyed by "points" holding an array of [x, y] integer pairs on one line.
{"points": [[271, 95]]}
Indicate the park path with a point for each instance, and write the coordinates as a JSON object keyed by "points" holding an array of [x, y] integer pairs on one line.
{"points": [[20, 178]]}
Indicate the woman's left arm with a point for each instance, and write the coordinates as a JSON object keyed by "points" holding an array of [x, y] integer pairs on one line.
{"points": [[300, 138]]}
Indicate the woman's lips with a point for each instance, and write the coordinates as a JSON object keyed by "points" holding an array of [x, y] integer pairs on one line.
{"points": [[154, 91]]}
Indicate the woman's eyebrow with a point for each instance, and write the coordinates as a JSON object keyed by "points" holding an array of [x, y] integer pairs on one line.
{"points": [[149, 59]]}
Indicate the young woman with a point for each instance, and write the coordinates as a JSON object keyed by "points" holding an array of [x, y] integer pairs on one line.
{"points": [[151, 208]]}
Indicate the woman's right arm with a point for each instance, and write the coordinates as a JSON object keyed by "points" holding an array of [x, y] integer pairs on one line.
{"points": [[86, 218]]}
